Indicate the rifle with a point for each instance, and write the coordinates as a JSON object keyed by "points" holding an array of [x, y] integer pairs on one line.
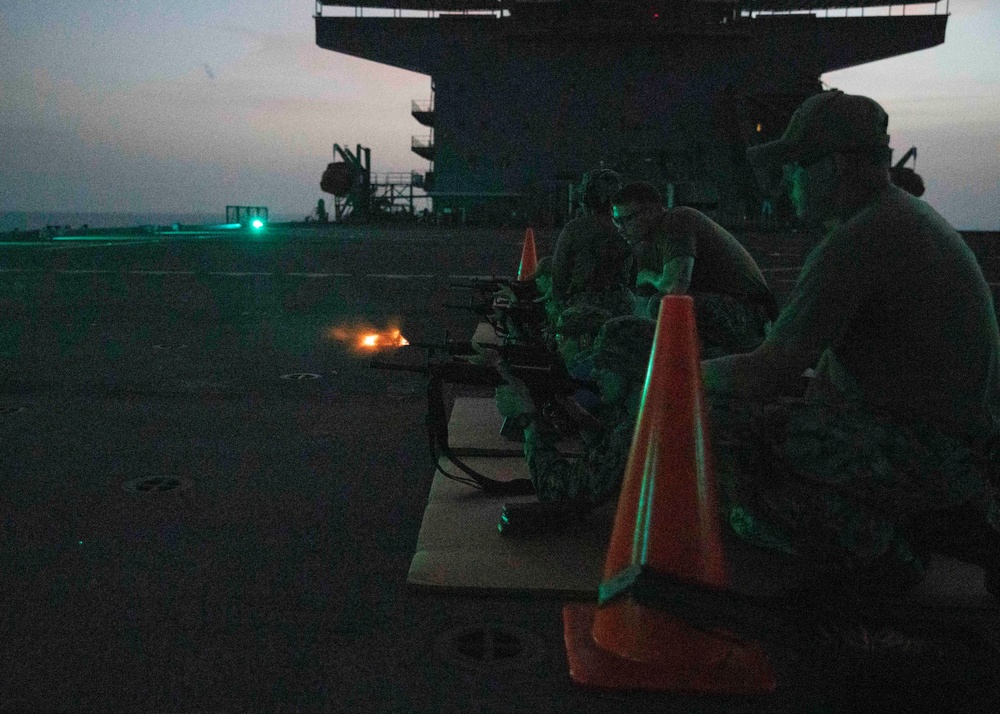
{"points": [[522, 289], [510, 320], [516, 352], [515, 315], [546, 380]]}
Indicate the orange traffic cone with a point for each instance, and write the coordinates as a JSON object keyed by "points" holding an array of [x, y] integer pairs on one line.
{"points": [[529, 260], [666, 528]]}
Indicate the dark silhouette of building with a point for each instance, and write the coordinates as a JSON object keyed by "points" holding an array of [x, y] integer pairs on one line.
{"points": [[529, 94]]}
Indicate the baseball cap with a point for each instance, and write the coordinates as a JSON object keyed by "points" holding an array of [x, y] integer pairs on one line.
{"points": [[825, 123]]}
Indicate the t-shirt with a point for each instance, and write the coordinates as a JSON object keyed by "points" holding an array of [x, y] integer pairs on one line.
{"points": [[721, 264], [589, 257], [897, 307]]}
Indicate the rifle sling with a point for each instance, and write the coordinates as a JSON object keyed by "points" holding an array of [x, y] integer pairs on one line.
{"points": [[437, 431]]}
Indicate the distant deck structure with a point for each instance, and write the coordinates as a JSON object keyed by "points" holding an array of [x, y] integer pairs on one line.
{"points": [[530, 94]]}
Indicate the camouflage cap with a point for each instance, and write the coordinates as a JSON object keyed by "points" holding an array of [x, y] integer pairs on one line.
{"points": [[581, 320], [624, 345], [825, 123], [599, 187]]}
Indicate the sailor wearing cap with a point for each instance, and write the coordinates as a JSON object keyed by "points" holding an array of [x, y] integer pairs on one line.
{"points": [[591, 263], [897, 429]]}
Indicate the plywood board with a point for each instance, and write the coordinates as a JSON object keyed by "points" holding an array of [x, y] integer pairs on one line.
{"points": [[459, 549], [475, 426]]}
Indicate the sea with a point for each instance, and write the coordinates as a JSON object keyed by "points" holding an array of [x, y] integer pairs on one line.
{"points": [[33, 220]]}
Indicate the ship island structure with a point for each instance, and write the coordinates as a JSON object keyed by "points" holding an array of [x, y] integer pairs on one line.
{"points": [[529, 95]]}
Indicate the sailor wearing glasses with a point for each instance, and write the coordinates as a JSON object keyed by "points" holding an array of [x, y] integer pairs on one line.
{"points": [[680, 251]]}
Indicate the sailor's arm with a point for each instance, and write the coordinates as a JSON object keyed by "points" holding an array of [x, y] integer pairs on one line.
{"points": [[766, 372], [674, 279], [824, 304]]}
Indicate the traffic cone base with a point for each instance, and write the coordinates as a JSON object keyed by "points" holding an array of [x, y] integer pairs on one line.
{"points": [[696, 663]]}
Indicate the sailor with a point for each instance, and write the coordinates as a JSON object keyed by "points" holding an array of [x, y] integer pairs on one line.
{"points": [[591, 262], [889, 456], [681, 251], [576, 329], [620, 360]]}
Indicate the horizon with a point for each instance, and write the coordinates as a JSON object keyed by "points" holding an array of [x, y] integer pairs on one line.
{"points": [[145, 109]]}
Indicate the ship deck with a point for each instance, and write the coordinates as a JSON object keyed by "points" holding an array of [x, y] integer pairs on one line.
{"points": [[265, 567]]}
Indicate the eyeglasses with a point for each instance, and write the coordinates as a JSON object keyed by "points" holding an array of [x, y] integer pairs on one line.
{"points": [[789, 170], [620, 219]]}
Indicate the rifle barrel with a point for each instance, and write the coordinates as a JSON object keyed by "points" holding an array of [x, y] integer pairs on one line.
{"points": [[480, 283], [518, 287], [525, 354], [451, 347]]}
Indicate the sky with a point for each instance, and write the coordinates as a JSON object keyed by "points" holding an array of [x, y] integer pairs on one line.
{"points": [[189, 105]]}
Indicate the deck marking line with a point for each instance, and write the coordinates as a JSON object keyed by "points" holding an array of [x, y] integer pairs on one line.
{"points": [[476, 277], [399, 276]]}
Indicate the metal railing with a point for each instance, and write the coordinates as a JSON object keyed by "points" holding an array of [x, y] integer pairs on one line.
{"points": [[747, 8], [396, 178], [409, 8], [845, 8]]}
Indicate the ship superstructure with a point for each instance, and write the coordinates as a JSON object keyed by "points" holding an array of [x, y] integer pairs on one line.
{"points": [[530, 94]]}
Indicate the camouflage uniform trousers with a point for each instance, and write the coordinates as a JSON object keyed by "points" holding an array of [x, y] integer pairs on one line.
{"points": [[617, 301], [726, 324], [592, 478], [840, 487]]}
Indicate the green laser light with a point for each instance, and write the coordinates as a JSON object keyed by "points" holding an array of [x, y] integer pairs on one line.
{"points": [[257, 223]]}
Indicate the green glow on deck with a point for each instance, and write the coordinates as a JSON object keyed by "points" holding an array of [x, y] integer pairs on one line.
{"points": [[131, 237]]}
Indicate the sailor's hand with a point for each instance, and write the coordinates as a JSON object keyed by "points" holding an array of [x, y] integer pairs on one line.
{"points": [[505, 293], [487, 356], [544, 297], [491, 358]]}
